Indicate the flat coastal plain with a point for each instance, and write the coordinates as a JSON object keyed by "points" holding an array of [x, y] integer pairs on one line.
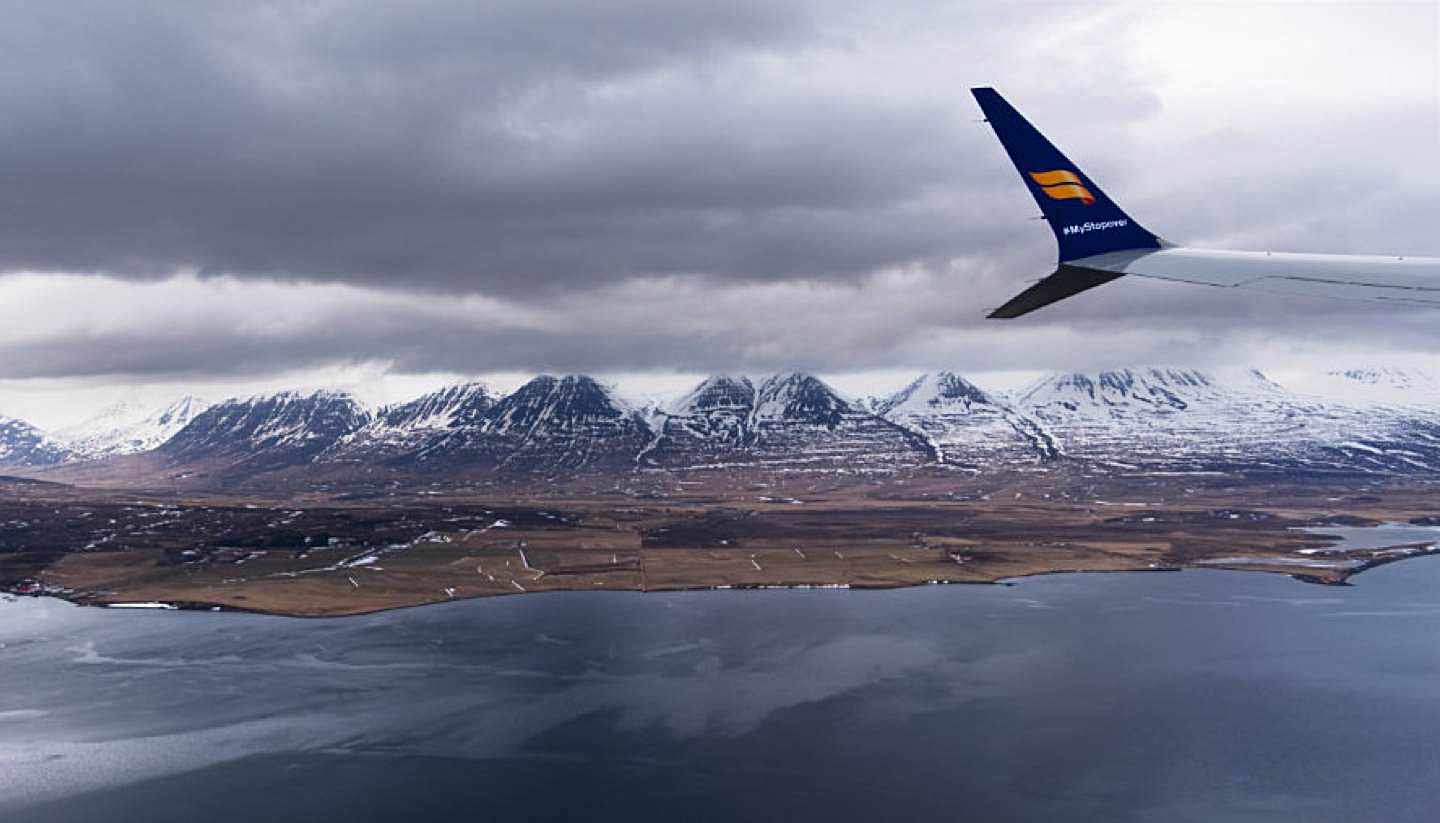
{"points": [[319, 555]]}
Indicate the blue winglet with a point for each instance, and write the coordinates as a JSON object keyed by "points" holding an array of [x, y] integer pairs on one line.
{"points": [[1085, 221]]}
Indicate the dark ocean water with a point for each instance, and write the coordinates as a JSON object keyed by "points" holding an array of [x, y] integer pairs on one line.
{"points": [[1201, 695]]}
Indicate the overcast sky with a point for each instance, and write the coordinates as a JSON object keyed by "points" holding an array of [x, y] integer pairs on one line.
{"points": [[236, 197]]}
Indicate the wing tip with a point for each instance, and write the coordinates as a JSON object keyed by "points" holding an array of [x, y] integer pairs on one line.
{"points": [[1067, 281], [1008, 312]]}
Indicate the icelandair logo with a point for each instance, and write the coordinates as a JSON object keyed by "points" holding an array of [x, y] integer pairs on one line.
{"points": [[1063, 185]]}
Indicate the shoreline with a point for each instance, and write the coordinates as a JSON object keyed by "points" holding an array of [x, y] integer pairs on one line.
{"points": [[1391, 554], [324, 557]]}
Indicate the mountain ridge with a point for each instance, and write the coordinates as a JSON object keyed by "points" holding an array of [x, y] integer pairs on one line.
{"points": [[1150, 418]]}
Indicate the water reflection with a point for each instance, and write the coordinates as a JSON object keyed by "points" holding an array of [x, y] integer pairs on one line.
{"points": [[1135, 696]]}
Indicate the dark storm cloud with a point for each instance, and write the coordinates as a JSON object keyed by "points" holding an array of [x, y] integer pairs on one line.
{"points": [[488, 147], [648, 185]]}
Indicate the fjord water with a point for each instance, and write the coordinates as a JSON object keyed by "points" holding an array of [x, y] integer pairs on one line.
{"points": [[1199, 695]]}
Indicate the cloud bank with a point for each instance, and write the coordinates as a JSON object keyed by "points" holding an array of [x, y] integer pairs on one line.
{"points": [[194, 192]]}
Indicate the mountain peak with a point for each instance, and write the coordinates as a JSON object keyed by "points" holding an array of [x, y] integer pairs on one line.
{"points": [[276, 429], [128, 427], [22, 444], [549, 424], [1146, 387], [962, 423], [551, 402], [720, 391], [802, 398], [180, 411], [455, 405], [934, 392]]}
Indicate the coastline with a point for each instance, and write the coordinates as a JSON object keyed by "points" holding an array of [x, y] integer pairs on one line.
{"points": [[332, 557], [181, 602]]}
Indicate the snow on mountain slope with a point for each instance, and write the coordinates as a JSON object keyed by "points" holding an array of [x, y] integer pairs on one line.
{"points": [[1184, 419], [402, 428], [1375, 385], [799, 419], [717, 411], [789, 420], [1147, 419], [963, 423], [23, 445], [128, 427], [462, 404], [708, 426], [548, 424], [267, 432]]}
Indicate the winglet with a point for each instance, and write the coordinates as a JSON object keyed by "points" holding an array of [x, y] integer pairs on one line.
{"points": [[1065, 282], [1085, 221]]}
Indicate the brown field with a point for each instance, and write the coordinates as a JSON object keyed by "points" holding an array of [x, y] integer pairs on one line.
{"points": [[317, 555]]}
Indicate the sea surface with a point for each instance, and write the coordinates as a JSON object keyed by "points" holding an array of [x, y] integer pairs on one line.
{"points": [[1376, 537], [1161, 696]]}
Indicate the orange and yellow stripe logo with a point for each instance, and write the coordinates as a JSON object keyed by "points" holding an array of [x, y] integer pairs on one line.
{"points": [[1063, 185]]}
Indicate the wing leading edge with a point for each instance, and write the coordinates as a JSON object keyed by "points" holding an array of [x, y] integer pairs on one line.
{"points": [[1098, 242]]}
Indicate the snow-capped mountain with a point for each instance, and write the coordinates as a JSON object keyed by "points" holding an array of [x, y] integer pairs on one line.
{"points": [[463, 404], [403, 428], [23, 445], [709, 426], [128, 428], [1375, 385], [963, 423], [548, 424], [797, 398], [789, 420], [799, 419], [267, 432], [1184, 419], [1134, 419]]}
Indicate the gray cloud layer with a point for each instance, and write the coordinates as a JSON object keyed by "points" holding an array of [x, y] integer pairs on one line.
{"points": [[459, 146], [636, 184]]}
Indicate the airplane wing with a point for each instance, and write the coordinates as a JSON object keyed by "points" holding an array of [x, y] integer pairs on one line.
{"points": [[1098, 242], [1413, 280]]}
